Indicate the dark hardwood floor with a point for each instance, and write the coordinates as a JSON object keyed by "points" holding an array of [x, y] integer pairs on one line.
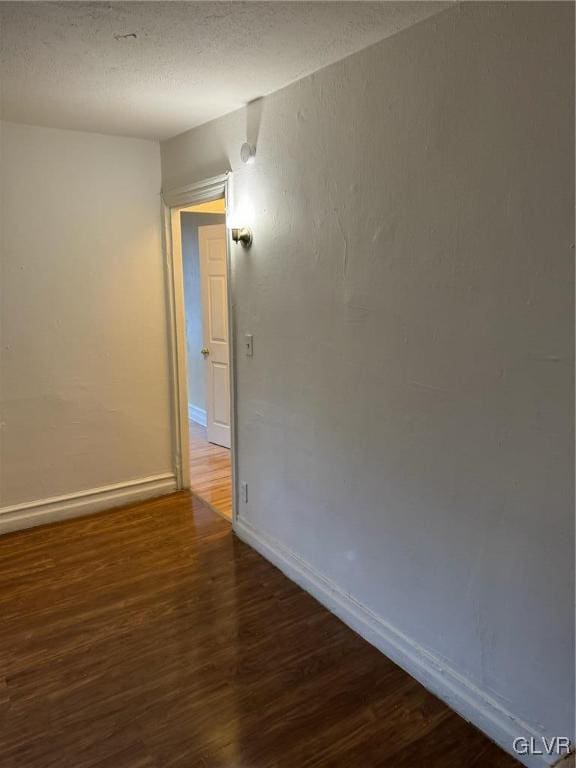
{"points": [[150, 637], [210, 471]]}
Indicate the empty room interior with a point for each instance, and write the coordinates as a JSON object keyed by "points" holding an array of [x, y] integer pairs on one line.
{"points": [[287, 384], [204, 261]]}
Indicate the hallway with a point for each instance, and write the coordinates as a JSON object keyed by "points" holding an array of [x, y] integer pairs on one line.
{"points": [[151, 637], [210, 472]]}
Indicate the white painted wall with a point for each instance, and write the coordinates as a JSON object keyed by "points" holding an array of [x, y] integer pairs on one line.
{"points": [[404, 425], [84, 384]]}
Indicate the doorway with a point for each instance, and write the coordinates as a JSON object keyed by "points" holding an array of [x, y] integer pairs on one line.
{"points": [[199, 238]]}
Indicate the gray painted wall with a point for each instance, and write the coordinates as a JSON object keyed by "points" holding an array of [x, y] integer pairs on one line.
{"points": [[405, 423], [193, 302]]}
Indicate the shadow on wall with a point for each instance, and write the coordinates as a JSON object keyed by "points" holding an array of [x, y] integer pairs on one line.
{"points": [[253, 120]]}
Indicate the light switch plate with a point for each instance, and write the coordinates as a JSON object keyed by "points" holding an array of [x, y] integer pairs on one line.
{"points": [[249, 344]]}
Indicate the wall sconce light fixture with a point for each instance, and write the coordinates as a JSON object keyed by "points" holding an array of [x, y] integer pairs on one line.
{"points": [[242, 235], [239, 220]]}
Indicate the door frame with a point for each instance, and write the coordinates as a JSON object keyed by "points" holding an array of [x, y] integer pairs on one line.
{"points": [[173, 201]]}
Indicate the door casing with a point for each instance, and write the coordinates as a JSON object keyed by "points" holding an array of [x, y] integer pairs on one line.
{"points": [[172, 202]]}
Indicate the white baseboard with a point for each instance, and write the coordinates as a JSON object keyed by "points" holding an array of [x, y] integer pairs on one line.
{"points": [[460, 694], [33, 513], [197, 414]]}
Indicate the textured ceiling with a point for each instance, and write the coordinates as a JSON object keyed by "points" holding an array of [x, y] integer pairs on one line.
{"points": [[155, 69]]}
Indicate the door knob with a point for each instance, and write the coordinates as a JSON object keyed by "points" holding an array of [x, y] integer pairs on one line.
{"points": [[205, 351]]}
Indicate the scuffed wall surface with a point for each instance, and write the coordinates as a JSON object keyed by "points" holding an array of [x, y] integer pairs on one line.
{"points": [[84, 367], [405, 424]]}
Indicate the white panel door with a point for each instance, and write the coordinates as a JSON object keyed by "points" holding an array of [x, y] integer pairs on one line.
{"points": [[213, 277]]}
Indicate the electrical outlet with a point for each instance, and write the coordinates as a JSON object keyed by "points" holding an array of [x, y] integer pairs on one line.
{"points": [[244, 492], [249, 344]]}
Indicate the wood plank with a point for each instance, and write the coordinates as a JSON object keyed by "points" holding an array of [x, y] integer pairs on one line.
{"points": [[150, 637], [210, 471]]}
